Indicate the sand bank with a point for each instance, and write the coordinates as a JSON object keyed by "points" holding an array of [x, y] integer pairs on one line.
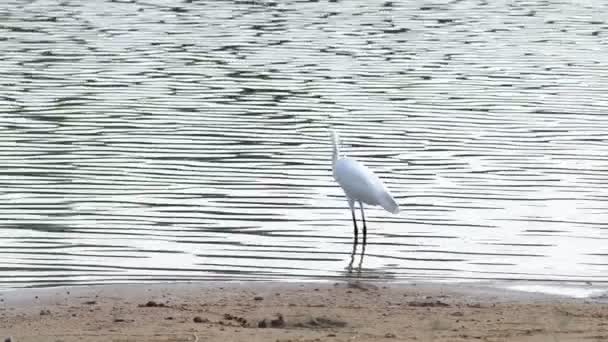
{"points": [[296, 312]]}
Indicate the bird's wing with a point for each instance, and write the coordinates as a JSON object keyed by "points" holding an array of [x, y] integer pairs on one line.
{"points": [[361, 184]]}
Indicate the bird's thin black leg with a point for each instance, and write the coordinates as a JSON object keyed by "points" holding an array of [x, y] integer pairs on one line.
{"points": [[364, 224], [362, 255], [352, 210], [352, 256]]}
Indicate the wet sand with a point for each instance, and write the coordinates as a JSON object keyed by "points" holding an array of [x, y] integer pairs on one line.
{"points": [[296, 312]]}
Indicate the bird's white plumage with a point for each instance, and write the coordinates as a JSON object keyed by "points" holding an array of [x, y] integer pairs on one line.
{"points": [[359, 183]]}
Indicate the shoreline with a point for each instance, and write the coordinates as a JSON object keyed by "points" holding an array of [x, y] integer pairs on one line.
{"points": [[308, 311], [514, 290]]}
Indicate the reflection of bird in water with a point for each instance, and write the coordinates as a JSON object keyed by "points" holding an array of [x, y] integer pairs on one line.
{"points": [[352, 257], [360, 185]]}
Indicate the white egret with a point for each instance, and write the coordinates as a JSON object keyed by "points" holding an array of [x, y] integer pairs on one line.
{"points": [[360, 184]]}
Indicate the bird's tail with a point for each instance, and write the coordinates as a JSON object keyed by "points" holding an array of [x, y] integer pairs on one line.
{"points": [[388, 203]]}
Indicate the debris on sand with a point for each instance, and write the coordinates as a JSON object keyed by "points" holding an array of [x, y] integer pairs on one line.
{"points": [[431, 304], [322, 322], [152, 304], [361, 286], [312, 323], [45, 312], [199, 319], [279, 322], [240, 320]]}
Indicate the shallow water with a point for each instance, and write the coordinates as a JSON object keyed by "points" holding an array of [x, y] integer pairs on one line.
{"points": [[142, 141]]}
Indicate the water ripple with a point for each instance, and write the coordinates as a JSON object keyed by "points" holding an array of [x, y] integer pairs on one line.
{"points": [[146, 142]]}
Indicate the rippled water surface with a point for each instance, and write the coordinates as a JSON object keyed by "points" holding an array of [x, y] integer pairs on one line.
{"points": [[164, 140]]}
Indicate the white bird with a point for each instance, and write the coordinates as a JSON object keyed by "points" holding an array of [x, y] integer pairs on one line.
{"points": [[360, 184]]}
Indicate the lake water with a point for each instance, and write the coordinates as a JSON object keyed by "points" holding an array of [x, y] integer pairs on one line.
{"points": [[163, 140]]}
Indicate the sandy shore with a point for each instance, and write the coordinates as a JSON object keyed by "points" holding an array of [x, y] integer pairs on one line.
{"points": [[296, 312]]}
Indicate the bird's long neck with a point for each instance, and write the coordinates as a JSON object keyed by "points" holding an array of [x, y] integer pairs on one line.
{"points": [[336, 148]]}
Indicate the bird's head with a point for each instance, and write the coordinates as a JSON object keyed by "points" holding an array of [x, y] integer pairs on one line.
{"points": [[335, 137]]}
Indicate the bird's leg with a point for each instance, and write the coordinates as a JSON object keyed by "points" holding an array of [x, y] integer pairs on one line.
{"points": [[352, 256], [352, 210], [364, 224], [362, 255]]}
